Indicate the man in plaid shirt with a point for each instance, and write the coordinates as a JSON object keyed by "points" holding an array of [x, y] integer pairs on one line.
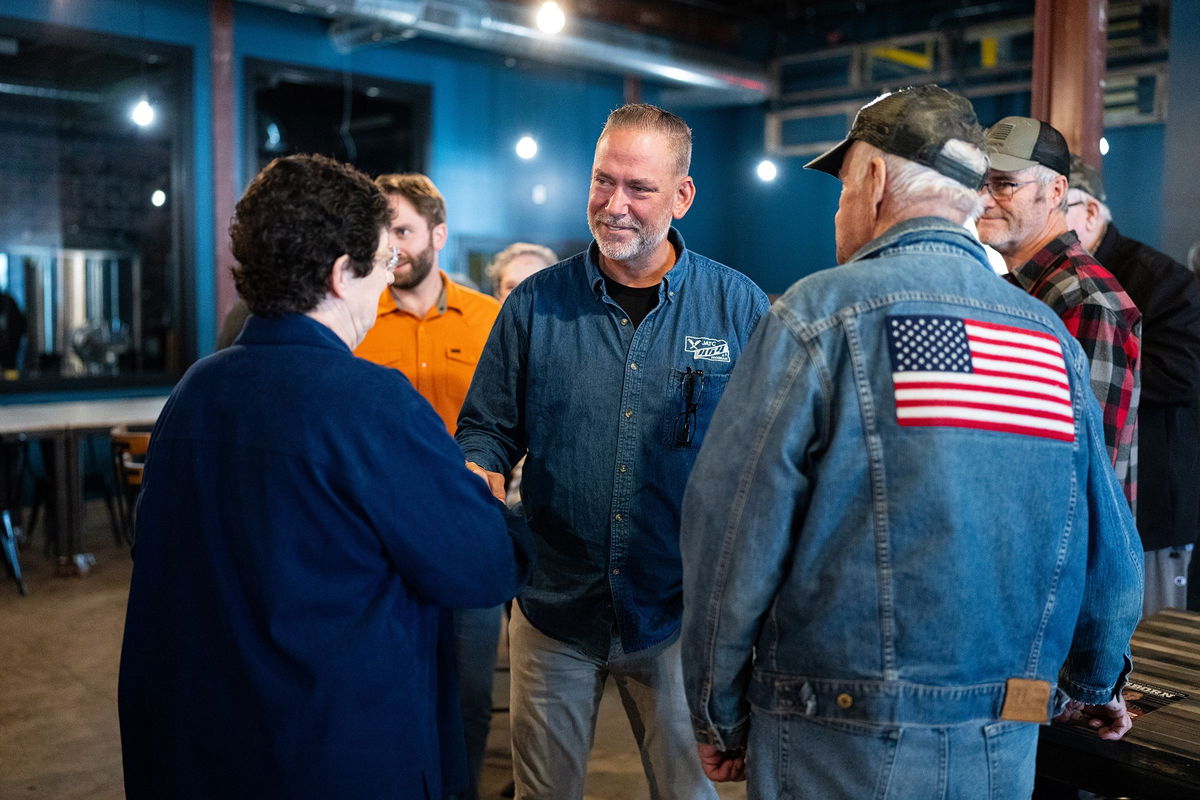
{"points": [[1024, 219]]}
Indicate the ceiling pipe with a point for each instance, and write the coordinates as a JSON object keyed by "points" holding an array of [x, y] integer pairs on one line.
{"points": [[694, 77]]}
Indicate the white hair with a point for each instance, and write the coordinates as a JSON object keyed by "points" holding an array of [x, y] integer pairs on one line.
{"points": [[1077, 195], [1046, 176], [515, 250], [910, 183]]}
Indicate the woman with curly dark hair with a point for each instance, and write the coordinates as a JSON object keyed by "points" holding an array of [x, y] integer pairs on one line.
{"points": [[304, 520]]}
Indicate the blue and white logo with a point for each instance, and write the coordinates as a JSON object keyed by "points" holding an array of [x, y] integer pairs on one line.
{"points": [[701, 347]]}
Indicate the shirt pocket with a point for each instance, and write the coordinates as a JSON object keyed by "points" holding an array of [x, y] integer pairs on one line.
{"points": [[460, 368], [692, 397]]}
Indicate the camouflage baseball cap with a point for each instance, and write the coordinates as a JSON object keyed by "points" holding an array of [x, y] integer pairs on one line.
{"points": [[1086, 178], [1016, 143], [915, 123]]}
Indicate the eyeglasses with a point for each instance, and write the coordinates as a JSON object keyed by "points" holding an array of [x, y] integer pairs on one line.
{"points": [[1004, 190], [1077, 203], [394, 259], [691, 385]]}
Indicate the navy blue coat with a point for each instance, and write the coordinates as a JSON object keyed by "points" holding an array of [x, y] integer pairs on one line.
{"points": [[303, 522]]}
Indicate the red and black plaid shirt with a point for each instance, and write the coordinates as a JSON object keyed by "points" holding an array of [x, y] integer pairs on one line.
{"points": [[1097, 312]]}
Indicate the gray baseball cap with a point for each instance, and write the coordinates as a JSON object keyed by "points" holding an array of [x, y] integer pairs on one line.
{"points": [[914, 123], [1016, 143]]}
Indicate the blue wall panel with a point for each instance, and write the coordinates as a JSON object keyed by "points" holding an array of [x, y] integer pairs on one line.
{"points": [[774, 232]]}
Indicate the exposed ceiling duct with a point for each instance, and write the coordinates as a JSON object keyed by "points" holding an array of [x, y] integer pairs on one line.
{"points": [[694, 76]]}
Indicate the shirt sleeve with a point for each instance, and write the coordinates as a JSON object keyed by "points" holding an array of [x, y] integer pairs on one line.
{"points": [[1113, 350], [454, 543], [749, 483], [1099, 657], [491, 425]]}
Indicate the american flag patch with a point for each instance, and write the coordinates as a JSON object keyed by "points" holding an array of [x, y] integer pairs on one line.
{"points": [[963, 373]]}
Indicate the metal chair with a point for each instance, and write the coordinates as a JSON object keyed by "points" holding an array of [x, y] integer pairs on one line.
{"points": [[128, 462]]}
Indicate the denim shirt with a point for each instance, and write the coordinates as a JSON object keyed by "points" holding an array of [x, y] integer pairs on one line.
{"points": [[612, 417], [845, 563]]}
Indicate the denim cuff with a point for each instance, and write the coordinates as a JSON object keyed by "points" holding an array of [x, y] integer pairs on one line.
{"points": [[722, 737]]}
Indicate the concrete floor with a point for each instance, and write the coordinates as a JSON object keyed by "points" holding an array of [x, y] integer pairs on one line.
{"points": [[59, 651]]}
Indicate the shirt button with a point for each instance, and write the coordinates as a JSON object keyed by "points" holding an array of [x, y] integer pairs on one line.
{"points": [[633, 365], [616, 572], [623, 468], [617, 517], [628, 413], [844, 700], [624, 321], [423, 364]]}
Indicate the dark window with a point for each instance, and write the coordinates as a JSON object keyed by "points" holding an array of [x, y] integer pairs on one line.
{"points": [[95, 209]]}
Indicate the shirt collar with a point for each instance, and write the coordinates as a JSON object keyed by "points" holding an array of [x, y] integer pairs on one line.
{"points": [[1028, 273], [671, 281], [451, 296]]}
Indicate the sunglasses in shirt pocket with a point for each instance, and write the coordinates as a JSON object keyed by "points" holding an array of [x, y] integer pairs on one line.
{"points": [[692, 397]]}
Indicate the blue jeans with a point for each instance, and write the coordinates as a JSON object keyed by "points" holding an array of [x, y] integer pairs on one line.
{"points": [[555, 695], [476, 636], [791, 757]]}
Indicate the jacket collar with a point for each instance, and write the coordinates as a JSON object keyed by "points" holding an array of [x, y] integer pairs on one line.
{"points": [[915, 233], [1107, 248], [290, 329]]}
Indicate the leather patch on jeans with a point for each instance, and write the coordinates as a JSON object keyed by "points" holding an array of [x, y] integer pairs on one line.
{"points": [[1026, 700]]}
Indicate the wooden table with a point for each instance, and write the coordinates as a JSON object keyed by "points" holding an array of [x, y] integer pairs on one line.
{"points": [[65, 425], [1160, 757]]}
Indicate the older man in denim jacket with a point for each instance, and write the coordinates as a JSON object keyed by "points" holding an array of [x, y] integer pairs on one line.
{"points": [[904, 545]]}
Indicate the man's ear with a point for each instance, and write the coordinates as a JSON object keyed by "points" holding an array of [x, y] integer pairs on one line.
{"points": [[438, 235], [1094, 217], [1058, 190], [339, 276], [876, 178], [685, 194]]}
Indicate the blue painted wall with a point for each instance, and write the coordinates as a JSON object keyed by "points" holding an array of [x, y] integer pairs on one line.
{"points": [[774, 232]]}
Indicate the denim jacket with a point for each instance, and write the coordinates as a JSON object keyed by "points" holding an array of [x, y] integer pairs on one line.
{"points": [[847, 561], [612, 417]]}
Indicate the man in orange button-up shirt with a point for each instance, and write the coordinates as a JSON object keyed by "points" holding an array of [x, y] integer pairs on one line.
{"points": [[433, 331], [428, 327]]}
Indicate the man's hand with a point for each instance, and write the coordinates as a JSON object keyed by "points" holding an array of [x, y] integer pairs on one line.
{"points": [[1110, 721], [722, 765], [494, 480]]}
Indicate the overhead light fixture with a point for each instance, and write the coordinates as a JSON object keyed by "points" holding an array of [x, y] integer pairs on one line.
{"points": [[142, 114], [527, 147], [550, 18], [158, 198], [767, 171], [1103, 145]]}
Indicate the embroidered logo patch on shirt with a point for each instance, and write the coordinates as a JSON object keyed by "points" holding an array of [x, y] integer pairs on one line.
{"points": [[701, 347], [963, 373]]}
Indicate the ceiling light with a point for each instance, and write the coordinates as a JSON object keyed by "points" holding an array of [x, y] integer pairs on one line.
{"points": [[527, 147], [158, 198], [550, 18], [143, 113], [767, 171], [1103, 145]]}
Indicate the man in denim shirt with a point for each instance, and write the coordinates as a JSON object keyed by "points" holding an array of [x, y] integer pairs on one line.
{"points": [[606, 369], [869, 612]]}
